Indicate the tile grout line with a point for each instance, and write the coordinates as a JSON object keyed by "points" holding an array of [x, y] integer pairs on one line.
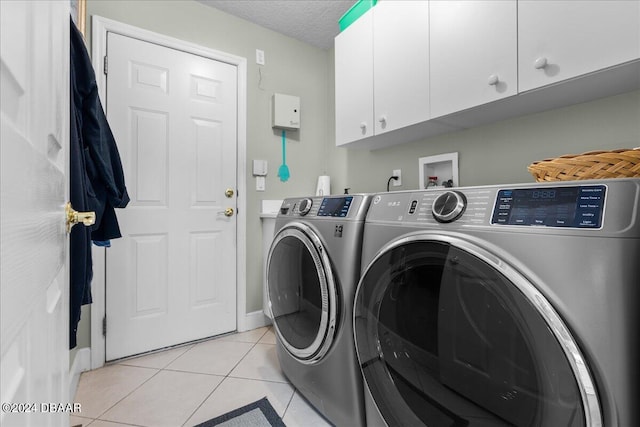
{"points": [[284, 413], [201, 403], [158, 370], [129, 394], [141, 384], [166, 369], [225, 377], [295, 390]]}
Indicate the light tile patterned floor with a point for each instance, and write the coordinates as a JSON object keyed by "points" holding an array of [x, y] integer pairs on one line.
{"points": [[191, 384]]}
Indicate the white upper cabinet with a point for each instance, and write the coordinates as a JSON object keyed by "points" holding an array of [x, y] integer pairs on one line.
{"points": [[559, 40], [354, 81], [382, 71], [410, 69], [473, 53], [400, 64]]}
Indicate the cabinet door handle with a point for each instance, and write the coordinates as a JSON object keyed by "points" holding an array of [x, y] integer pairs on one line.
{"points": [[540, 63], [363, 127], [493, 80], [383, 122]]}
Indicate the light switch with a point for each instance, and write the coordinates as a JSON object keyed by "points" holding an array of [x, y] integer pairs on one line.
{"points": [[259, 57]]}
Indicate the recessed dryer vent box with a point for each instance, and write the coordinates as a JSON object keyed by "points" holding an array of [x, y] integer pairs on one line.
{"points": [[285, 111]]}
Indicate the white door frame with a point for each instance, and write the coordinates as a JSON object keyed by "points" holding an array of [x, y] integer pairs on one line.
{"points": [[100, 27]]}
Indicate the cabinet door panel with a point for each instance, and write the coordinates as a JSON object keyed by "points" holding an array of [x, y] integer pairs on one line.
{"points": [[354, 81], [473, 53], [400, 64], [558, 40]]}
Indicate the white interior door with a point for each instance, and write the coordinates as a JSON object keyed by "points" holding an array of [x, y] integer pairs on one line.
{"points": [[34, 296], [172, 277]]}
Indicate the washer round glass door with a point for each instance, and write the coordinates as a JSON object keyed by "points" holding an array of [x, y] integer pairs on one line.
{"points": [[302, 292], [449, 335]]}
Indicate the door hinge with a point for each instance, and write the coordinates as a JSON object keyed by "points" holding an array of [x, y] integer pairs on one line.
{"points": [[104, 326], [106, 65]]}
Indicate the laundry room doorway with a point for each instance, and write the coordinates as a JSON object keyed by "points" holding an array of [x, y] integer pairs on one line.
{"points": [[172, 277]]}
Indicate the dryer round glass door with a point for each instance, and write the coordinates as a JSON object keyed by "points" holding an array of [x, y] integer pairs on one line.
{"points": [[449, 335], [302, 292]]}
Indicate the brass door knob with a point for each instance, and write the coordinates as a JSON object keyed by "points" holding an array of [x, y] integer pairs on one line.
{"points": [[226, 212], [74, 217], [228, 192]]}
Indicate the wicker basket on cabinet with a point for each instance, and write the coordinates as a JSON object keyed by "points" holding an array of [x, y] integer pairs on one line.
{"points": [[621, 163]]}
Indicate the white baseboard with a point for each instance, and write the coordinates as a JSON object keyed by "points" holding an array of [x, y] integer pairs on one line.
{"points": [[254, 320], [81, 363]]}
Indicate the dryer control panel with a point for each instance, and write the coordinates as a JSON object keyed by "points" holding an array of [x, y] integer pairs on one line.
{"points": [[325, 208], [335, 206], [575, 206]]}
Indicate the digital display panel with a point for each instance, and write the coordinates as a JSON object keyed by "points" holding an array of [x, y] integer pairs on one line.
{"points": [[576, 207], [335, 206]]}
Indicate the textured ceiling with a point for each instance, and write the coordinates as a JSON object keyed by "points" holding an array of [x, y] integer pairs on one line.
{"points": [[311, 21]]}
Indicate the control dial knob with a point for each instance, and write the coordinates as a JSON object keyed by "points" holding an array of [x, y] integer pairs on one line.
{"points": [[304, 206], [448, 206]]}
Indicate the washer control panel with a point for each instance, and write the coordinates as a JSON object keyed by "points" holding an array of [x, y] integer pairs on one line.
{"points": [[575, 206], [568, 206], [466, 206], [448, 206]]}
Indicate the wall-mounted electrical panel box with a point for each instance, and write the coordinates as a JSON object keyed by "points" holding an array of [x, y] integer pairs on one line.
{"points": [[285, 111]]}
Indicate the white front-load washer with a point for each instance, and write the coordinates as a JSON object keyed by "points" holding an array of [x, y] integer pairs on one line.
{"points": [[509, 305], [313, 268]]}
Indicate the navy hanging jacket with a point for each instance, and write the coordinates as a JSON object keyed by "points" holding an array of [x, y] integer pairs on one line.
{"points": [[96, 176]]}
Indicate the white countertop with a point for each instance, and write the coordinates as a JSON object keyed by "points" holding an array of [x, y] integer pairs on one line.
{"points": [[270, 208]]}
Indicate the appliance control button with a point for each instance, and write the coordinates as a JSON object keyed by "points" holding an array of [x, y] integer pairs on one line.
{"points": [[448, 206], [414, 205], [305, 206]]}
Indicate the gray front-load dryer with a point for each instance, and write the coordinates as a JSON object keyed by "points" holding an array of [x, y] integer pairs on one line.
{"points": [[510, 305], [313, 268]]}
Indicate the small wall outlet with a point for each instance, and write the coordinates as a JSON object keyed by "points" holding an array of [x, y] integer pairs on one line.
{"points": [[398, 173]]}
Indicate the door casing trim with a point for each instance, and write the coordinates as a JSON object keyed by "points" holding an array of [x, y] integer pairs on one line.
{"points": [[100, 27]]}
